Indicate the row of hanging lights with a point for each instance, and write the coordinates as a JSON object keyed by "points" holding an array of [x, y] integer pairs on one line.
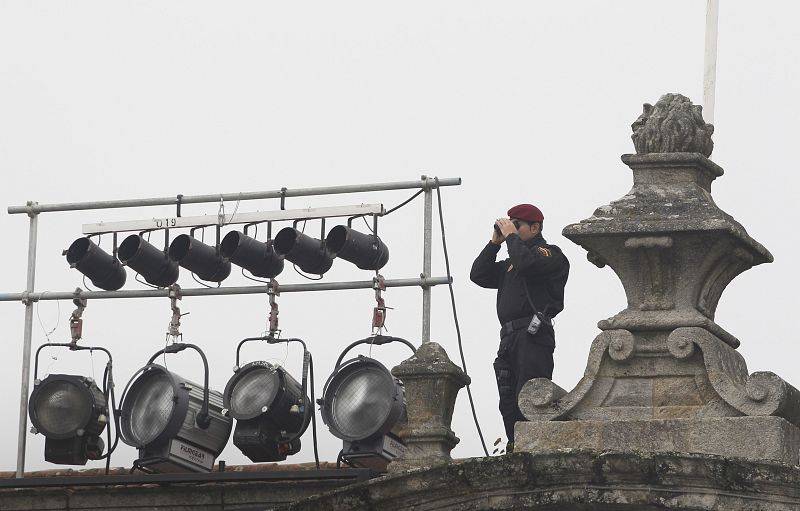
{"points": [[213, 263]]}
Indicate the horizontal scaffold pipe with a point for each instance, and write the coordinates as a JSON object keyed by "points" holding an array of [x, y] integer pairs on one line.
{"points": [[35, 208], [217, 291]]}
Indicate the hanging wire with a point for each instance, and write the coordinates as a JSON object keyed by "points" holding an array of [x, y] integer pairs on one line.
{"points": [[221, 212], [85, 285], [91, 363], [313, 412], [404, 202], [254, 279], [364, 218], [305, 276], [53, 360], [140, 281], [455, 314], [194, 277], [41, 323]]}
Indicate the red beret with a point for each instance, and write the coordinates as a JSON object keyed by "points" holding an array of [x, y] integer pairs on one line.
{"points": [[527, 212]]}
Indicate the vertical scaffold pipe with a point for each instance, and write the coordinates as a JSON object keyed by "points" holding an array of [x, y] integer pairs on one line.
{"points": [[26, 349], [426, 260]]}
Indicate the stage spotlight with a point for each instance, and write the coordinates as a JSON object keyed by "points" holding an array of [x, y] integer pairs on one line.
{"points": [[270, 409], [309, 254], [102, 269], [71, 412], [254, 256], [364, 405], [366, 251], [176, 424], [148, 261], [199, 258]]}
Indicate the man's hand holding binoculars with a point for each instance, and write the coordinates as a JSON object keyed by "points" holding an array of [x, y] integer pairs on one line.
{"points": [[502, 228]]}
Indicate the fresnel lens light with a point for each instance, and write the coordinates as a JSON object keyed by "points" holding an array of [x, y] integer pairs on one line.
{"points": [[70, 410], [364, 405], [271, 408], [102, 269], [176, 424]]}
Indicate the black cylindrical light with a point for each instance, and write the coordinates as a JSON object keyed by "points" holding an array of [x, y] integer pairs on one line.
{"points": [[158, 415], [254, 256], [199, 258], [270, 409], [150, 262], [102, 268], [366, 251], [71, 412], [310, 254]]}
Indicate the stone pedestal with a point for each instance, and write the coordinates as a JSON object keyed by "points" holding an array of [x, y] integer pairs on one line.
{"points": [[776, 440], [432, 383]]}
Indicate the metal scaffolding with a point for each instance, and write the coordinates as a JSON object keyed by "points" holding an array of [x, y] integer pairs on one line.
{"points": [[34, 209]]}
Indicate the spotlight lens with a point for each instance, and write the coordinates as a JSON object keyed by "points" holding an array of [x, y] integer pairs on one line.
{"points": [[362, 402], [254, 390], [152, 409], [61, 408]]}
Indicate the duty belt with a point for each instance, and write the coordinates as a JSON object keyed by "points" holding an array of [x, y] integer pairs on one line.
{"points": [[520, 324]]}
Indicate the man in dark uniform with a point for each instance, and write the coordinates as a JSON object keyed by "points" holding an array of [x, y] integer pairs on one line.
{"points": [[529, 283]]}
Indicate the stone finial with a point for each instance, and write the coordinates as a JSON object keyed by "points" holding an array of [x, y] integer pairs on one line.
{"points": [[673, 125], [432, 383], [663, 375]]}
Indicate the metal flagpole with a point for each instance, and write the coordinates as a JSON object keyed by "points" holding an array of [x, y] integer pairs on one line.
{"points": [[710, 60]]}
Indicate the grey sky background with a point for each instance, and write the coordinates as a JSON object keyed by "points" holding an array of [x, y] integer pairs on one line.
{"points": [[525, 101]]}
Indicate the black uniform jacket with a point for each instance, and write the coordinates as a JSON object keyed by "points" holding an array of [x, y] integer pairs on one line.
{"points": [[544, 267]]}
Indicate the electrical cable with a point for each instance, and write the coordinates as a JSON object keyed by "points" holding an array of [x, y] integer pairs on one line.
{"points": [[140, 281], [304, 275], [404, 202], [253, 278], [194, 277], [85, 285], [455, 314], [108, 391], [313, 412]]}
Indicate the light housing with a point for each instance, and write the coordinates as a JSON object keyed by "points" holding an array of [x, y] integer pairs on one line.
{"points": [[366, 251], [203, 260], [102, 268], [148, 261], [364, 405], [309, 254], [270, 409], [254, 256], [162, 415], [71, 412]]}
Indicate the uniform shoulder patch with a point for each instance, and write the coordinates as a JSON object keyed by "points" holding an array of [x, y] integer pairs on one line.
{"points": [[544, 251]]}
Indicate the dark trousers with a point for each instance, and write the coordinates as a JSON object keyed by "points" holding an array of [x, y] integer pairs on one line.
{"points": [[521, 357]]}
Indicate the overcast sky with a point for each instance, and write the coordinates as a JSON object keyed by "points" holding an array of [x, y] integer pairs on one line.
{"points": [[525, 101]]}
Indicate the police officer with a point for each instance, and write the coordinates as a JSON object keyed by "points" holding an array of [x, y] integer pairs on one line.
{"points": [[530, 284]]}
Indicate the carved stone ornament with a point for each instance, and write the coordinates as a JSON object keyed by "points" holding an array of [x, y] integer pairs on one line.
{"points": [[673, 125], [432, 383], [663, 375]]}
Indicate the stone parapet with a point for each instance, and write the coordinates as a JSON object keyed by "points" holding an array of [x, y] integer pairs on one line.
{"points": [[577, 480]]}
